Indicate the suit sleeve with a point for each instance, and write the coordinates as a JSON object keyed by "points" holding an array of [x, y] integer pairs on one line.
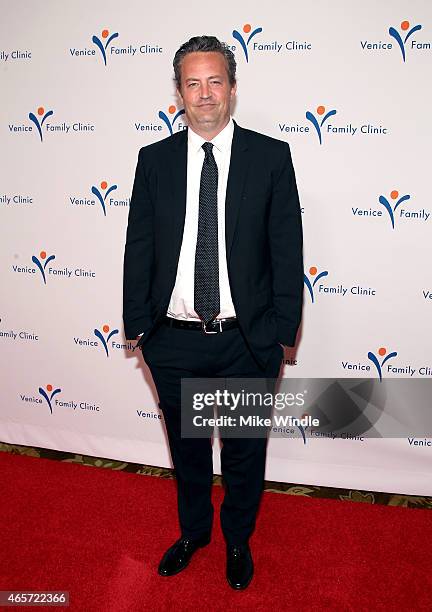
{"points": [[138, 257], [286, 251]]}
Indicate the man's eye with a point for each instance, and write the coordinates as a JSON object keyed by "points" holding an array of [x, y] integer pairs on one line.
{"points": [[216, 82], [192, 84]]}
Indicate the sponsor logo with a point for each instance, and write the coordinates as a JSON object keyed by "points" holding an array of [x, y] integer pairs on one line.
{"points": [[105, 340], [39, 121], [384, 366], [103, 44], [41, 265], [308, 432], [394, 208], [16, 54], [394, 195], [11, 199], [44, 115], [303, 429], [104, 48], [12, 334], [339, 289], [148, 415], [335, 435], [250, 44], [323, 127], [420, 442], [312, 281], [48, 396], [172, 110], [170, 123], [249, 35], [319, 123], [103, 197], [380, 360], [400, 38]]}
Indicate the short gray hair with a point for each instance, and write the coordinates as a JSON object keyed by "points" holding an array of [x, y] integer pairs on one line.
{"points": [[205, 44]]}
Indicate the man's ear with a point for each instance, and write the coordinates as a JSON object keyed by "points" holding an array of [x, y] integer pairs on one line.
{"points": [[179, 95]]}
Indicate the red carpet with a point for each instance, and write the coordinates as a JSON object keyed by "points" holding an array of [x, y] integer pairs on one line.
{"points": [[99, 534]]}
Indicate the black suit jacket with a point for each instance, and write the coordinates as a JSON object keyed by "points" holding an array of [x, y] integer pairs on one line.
{"points": [[263, 238]]}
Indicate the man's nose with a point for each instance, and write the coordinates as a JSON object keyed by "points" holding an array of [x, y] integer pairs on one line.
{"points": [[205, 90]]}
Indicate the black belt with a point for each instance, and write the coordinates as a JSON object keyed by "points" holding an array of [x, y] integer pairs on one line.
{"points": [[213, 327]]}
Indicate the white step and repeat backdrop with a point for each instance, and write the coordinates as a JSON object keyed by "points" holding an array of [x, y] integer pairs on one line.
{"points": [[84, 85]]}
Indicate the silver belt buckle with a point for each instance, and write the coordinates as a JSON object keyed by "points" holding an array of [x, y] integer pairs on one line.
{"points": [[208, 332]]}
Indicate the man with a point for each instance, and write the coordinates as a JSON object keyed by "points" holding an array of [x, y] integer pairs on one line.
{"points": [[213, 281]]}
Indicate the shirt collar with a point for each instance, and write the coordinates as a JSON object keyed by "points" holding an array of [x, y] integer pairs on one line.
{"points": [[222, 141]]}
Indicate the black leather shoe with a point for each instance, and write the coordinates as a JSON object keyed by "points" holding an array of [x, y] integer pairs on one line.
{"points": [[178, 556], [240, 568]]}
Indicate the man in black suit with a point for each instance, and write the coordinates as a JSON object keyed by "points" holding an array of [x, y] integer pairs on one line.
{"points": [[213, 283]]}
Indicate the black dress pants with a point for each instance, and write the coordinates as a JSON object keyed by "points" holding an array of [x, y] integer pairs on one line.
{"points": [[173, 354]]}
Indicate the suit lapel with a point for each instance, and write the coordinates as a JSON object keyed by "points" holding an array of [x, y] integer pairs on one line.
{"points": [[178, 170], [239, 165]]}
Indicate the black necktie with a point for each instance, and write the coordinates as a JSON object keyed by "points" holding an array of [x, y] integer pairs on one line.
{"points": [[206, 285]]}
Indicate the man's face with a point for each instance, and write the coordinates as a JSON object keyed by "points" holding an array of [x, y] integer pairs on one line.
{"points": [[205, 91]]}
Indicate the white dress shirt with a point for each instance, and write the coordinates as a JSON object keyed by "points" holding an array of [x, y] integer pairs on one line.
{"points": [[181, 304]]}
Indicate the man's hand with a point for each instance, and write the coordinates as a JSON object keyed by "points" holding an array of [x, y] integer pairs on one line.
{"points": [[138, 339]]}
